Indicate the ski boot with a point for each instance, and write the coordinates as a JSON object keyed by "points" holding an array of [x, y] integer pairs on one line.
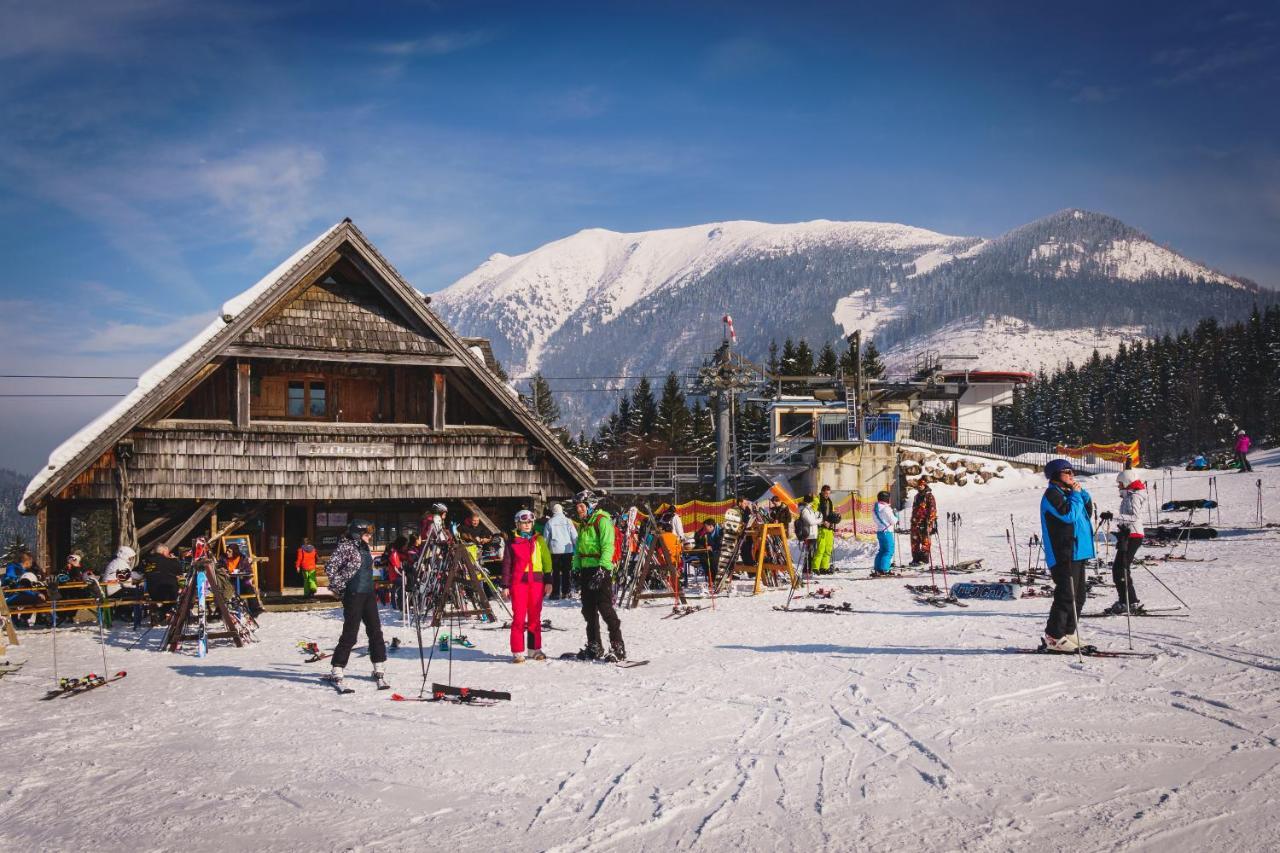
{"points": [[380, 676], [590, 652], [617, 653], [517, 658], [537, 654]]}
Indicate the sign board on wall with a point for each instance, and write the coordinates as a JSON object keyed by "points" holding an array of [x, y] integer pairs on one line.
{"points": [[343, 449]]}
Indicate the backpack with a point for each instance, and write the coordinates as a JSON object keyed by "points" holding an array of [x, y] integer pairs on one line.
{"points": [[801, 528], [617, 541]]}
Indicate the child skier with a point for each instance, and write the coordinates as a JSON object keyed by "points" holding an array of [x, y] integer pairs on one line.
{"points": [[886, 521], [526, 574], [1129, 537], [305, 563]]}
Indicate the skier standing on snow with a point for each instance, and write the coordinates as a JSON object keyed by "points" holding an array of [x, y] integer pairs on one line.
{"points": [[1065, 513], [826, 532], [526, 574], [1242, 451], [886, 521], [1129, 536], [924, 522], [593, 566], [350, 572], [810, 521], [561, 537]]}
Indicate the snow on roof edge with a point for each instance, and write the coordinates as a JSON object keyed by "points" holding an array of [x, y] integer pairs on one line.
{"points": [[158, 372]]}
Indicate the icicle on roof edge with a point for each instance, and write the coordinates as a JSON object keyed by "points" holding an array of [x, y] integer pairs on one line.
{"points": [[159, 371]]}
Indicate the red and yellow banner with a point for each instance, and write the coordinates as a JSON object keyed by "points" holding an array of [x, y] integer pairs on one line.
{"points": [[1117, 452]]}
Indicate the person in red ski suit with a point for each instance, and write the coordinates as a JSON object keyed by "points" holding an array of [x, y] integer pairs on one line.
{"points": [[526, 573], [924, 522]]}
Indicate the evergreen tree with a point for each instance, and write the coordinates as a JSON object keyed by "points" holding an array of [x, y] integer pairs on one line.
{"points": [[540, 402], [828, 362], [673, 421], [644, 410], [803, 359], [872, 364]]}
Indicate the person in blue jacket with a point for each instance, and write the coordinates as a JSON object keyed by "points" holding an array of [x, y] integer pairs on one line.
{"points": [[1065, 513]]}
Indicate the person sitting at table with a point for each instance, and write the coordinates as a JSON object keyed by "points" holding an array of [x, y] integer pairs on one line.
{"points": [[161, 571], [237, 566], [27, 590]]}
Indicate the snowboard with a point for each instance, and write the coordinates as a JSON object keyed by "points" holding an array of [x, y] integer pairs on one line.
{"points": [[620, 664]]}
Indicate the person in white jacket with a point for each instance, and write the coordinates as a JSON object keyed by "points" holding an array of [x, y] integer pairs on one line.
{"points": [[1129, 536], [811, 521], [561, 538], [886, 520], [118, 570]]}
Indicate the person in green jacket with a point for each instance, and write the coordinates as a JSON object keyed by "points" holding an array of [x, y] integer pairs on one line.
{"points": [[593, 567]]}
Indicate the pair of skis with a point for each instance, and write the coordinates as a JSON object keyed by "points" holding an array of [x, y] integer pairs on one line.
{"points": [[1086, 651], [458, 695], [620, 664], [682, 610], [76, 686], [843, 607]]}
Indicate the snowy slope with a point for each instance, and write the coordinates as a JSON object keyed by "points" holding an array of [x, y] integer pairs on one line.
{"points": [[901, 727], [1007, 343]]}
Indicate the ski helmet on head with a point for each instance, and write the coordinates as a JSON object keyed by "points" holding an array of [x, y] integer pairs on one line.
{"points": [[882, 496], [523, 516], [439, 509], [1056, 467], [587, 498], [356, 529]]}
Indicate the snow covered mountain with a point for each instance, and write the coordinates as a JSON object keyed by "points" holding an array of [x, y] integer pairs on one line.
{"points": [[602, 304]]}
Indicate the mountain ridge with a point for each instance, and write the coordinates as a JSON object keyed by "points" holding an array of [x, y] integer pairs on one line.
{"points": [[608, 303]]}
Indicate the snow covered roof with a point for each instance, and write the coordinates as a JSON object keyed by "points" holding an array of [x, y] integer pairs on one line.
{"points": [[168, 375]]}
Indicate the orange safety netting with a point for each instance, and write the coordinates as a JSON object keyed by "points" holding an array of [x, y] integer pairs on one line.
{"points": [[855, 516], [1117, 452]]}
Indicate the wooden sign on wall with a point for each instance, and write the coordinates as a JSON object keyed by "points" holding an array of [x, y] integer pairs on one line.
{"points": [[351, 451]]}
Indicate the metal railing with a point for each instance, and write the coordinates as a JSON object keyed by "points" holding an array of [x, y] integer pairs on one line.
{"points": [[663, 476], [843, 429], [1033, 451]]}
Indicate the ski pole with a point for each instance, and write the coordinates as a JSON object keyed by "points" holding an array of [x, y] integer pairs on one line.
{"points": [[1014, 538], [1259, 487], [946, 585], [1128, 590], [1166, 586], [1008, 538]]}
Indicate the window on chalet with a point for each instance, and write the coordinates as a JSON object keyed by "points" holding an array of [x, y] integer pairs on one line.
{"points": [[306, 399]]}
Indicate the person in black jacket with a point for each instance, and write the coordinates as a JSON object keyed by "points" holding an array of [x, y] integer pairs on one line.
{"points": [[353, 560], [161, 570]]}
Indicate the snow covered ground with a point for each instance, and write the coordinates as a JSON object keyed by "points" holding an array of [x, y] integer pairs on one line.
{"points": [[902, 727]]}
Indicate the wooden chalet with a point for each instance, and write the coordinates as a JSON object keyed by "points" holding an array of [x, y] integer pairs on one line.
{"points": [[327, 392]]}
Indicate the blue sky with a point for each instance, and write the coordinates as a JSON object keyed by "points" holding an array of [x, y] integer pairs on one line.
{"points": [[157, 157]]}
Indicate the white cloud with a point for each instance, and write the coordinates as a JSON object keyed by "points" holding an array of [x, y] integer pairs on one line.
{"points": [[157, 336], [438, 44], [270, 189]]}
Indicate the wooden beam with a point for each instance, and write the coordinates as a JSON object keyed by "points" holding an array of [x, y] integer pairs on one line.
{"points": [[438, 391], [484, 519], [189, 525], [152, 525], [44, 546], [242, 394], [349, 357]]}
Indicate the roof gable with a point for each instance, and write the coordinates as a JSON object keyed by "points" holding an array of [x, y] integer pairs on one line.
{"points": [[258, 306], [343, 310]]}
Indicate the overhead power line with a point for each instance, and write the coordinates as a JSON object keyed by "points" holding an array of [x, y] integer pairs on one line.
{"points": [[58, 376]]}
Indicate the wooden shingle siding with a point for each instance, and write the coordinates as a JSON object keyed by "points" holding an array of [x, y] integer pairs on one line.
{"points": [[185, 462], [341, 316]]}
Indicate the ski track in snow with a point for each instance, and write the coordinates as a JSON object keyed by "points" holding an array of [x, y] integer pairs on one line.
{"points": [[900, 727]]}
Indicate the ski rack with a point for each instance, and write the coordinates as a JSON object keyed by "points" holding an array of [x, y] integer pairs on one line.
{"points": [[655, 555], [773, 534], [463, 583], [176, 632], [734, 529]]}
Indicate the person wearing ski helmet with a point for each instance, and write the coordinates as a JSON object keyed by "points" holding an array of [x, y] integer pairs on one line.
{"points": [[350, 572], [1067, 533], [1129, 538], [924, 523], [526, 574], [886, 521], [593, 567]]}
